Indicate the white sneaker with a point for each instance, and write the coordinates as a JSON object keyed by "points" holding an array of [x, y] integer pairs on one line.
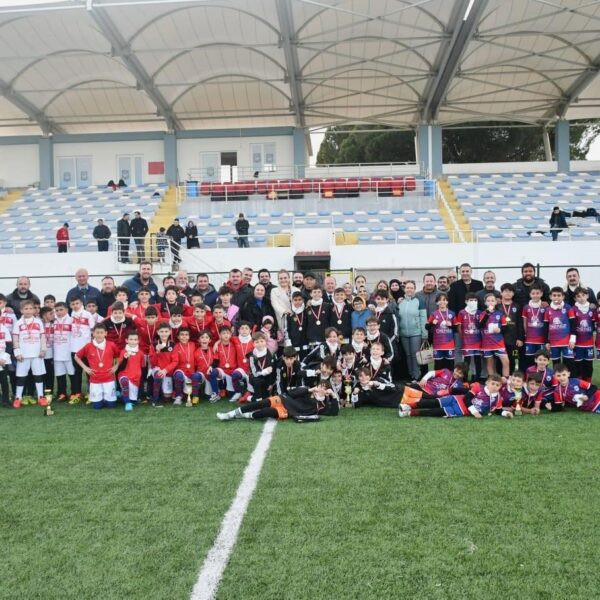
{"points": [[404, 411], [214, 398], [177, 401], [235, 397], [224, 416]]}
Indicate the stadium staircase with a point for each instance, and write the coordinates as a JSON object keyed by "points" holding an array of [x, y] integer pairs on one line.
{"points": [[9, 199], [163, 217], [457, 223]]}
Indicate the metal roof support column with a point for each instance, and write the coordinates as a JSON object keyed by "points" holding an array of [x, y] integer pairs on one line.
{"points": [[170, 153], [299, 152], [562, 146], [429, 141], [46, 158], [547, 146]]}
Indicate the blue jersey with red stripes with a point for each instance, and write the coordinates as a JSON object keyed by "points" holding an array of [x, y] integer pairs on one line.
{"points": [[584, 327], [442, 382], [548, 378], [470, 334], [481, 399], [533, 319], [491, 330], [565, 394], [443, 335], [559, 324]]}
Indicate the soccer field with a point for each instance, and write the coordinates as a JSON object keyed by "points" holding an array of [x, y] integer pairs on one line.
{"points": [[365, 505]]}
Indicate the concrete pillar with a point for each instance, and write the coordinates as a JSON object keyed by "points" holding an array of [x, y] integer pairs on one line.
{"points": [[547, 146], [429, 145], [299, 152], [170, 153], [562, 146], [46, 160]]}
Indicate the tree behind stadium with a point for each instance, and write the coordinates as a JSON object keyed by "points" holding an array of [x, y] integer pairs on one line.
{"points": [[472, 143]]}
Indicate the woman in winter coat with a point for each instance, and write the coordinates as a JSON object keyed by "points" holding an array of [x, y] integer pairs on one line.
{"points": [[191, 236], [411, 324]]}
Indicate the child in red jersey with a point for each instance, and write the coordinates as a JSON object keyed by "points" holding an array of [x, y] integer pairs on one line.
{"points": [[118, 325], [176, 323], [441, 323], [101, 357], [584, 335], [204, 359], [560, 320], [227, 354], [574, 392], [183, 367], [138, 308], [219, 320], [467, 323], [160, 361], [200, 321], [131, 364], [534, 327], [493, 322]]}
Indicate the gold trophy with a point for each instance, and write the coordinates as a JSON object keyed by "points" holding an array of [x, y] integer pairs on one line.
{"points": [[187, 390], [48, 412], [347, 393], [518, 410]]}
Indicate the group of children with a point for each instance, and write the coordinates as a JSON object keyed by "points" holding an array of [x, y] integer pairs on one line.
{"points": [[324, 355]]}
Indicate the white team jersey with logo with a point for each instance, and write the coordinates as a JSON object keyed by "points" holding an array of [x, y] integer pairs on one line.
{"points": [[5, 337], [81, 331], [62, 338], [8, 319], [49, 330], [30, 333]]}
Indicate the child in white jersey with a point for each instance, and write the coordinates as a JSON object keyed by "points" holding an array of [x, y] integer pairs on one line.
{"points": [[81, 334], [29, 344], [61, 349]]}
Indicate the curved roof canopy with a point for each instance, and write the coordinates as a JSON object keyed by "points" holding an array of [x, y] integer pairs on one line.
{"points": [[79, 66]]}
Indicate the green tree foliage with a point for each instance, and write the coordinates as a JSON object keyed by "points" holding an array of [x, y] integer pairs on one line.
{"points": [[483, 142]]}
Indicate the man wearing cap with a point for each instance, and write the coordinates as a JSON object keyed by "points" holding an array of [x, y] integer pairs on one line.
{"points": [[139, 229], [123, 235], [176, 233], [308, 285]]}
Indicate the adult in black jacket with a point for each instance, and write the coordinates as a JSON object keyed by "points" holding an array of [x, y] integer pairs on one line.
{"points": [[573, 282], [102, 234], [257, 307], [461, 287], [523, 285], [20, 293], [242, 228], [107, 295], [123, 235], [191, 236], [139, 230], [176, 233], [558, 221]]}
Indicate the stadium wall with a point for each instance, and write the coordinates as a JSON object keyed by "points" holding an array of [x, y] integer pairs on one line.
{"points": [[105, 155], [53, 272], [19, 165], [518, 167]]}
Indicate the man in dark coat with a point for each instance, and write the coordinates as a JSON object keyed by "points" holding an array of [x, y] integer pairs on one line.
{"points": [[139, 229], [142, 279], [20, 293], [523, 285], [242, 228], [176, 233], [123, 235], [558, 222], [573, 282], [461, 287], [102, 234]]}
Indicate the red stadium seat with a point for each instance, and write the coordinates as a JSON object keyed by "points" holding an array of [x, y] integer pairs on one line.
{"points": [[352, 185], [262, 186], [398, 186], [307, 186], [410, 183], [218, 189], [206, 188], [365, 184], [328, 188]]}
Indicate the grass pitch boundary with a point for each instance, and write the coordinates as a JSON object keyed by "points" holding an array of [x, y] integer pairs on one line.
{"points": [[217, 558]]}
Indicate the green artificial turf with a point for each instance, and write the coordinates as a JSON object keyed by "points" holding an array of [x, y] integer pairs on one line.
{"points": [[113, 505], [367, 505]]}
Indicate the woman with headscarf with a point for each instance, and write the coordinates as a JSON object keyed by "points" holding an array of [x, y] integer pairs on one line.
{"points": [[191, 235], [257, 307]]}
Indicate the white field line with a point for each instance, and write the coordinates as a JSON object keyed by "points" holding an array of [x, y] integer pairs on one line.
{"points": [[216, 561]]}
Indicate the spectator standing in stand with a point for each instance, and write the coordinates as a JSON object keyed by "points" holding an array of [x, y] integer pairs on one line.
{"points": [[62, 238], [102, 234], [123, 235], [191, 236], [242, 228], [139, 230], [176, 233]]}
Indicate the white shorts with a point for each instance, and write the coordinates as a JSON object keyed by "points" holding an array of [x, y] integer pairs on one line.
{"points": [[103, 392], [133, 389], [63, 367], [35, 365]]}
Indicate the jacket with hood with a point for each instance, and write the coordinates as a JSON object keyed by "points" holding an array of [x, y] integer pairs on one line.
{"points": [[210, 295], [413, 316], [134, 284]]}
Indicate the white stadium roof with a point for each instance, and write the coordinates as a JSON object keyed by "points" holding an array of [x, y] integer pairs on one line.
{"points": [[81, 66]]}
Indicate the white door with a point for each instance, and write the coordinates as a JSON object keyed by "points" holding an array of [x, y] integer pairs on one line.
{"points": [[210, 164], [124, 167], [84, 171], [66, 172]]}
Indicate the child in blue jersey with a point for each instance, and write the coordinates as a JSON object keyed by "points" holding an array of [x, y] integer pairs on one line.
{"points": [[584, 335], [534, 326], [492, 322], [467, 323], [574, 392], [441, 323], [560, 319], [479, 401]]}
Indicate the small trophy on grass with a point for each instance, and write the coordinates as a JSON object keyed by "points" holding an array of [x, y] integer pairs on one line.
{"points": [[48, 412], [187, 390]]}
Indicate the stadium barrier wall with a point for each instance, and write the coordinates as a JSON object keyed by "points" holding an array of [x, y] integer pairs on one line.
{"points": [[54, 272], [518, 167]]}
